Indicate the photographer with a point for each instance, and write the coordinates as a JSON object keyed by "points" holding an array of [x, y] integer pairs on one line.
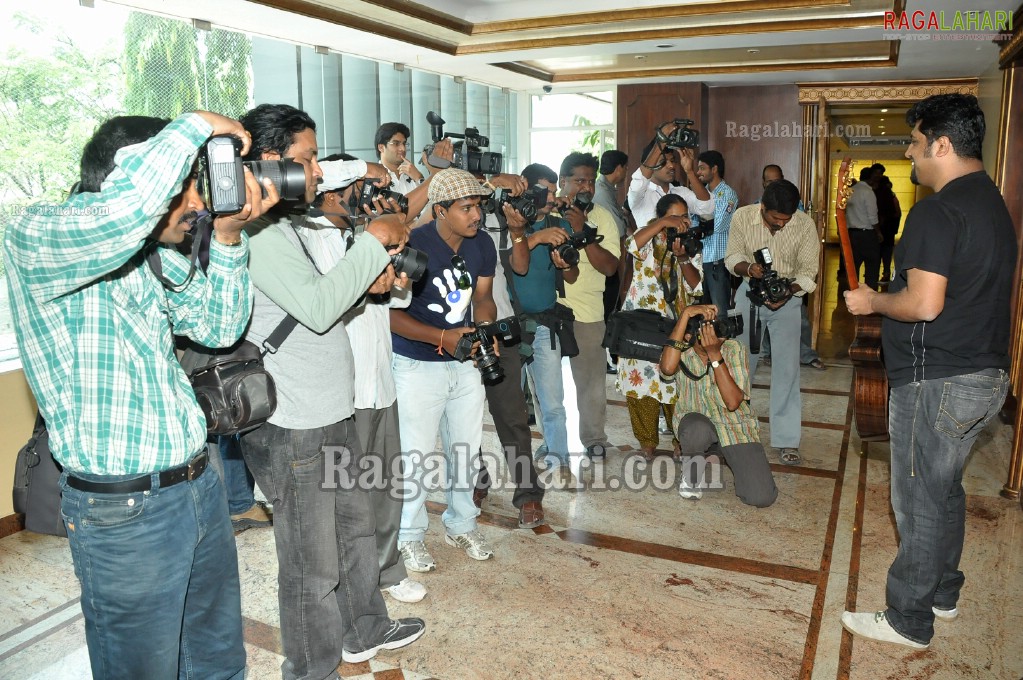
{"points": [[433, 387], [791, 238], [656, 175], [535, 285], [713, 415], [147, 522], [330, 606], [661, 263]]}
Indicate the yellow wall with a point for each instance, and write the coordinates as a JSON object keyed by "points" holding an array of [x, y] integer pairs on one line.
{"points": [[897, 170], [19, 414]]}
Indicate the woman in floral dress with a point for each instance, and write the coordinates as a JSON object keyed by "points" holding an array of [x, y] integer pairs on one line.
{"points": [[657, 267]]}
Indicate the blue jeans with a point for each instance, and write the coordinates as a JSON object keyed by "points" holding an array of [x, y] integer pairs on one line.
{"points": [[159, 577], [444, 397], [545, 370], [326, 544], [717, 286], [933, 424], [237, 479]]}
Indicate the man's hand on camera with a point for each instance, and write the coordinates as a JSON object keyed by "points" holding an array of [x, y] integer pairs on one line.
{"points": [[382, 206], [552, 236], [442, 149], [575, 217], [453, 335], [706, 311], [516, 222], [559, 261], [686, 160], [390, 231], [710, 341], [222, 125], [228, 228], [377, 174], [755, 270], [515, 184], [384, 282]]}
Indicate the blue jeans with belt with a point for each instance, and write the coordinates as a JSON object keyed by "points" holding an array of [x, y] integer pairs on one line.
{"points": [[933, 424], [159, 577]]}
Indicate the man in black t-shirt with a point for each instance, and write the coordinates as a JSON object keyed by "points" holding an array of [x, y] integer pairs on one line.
{"points": [[945, 336]]}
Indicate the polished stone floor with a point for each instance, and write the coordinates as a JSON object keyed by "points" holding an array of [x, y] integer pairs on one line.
{"points": [[635, 582]]}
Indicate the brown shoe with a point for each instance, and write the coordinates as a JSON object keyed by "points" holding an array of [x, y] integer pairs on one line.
{"points": [[253, 518], [531, 515], [477, 497]]}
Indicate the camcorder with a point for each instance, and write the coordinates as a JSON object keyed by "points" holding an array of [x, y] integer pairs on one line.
{"points": [[507, 331], [682, 137], [221, 181], [770, 287], [577, 240], [529, 203], [728, 327], [371, 190], [692, 240], [467, 151]]}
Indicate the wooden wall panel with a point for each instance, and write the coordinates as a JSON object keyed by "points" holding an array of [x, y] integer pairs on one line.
{"points": [[776, 113]]}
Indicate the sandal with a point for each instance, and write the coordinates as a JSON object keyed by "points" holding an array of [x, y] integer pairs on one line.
{"points": [[789, 456], [818, 364]]}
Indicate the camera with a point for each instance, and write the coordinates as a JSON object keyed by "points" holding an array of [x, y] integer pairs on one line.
{"points": [[692, 240], [728, 327], [584, 201], [487, 361], [770, 287], [467, 151], [371, 190], [548, 88], [411, 262], [221, 179], [577, 240], [682, 137], [529, 203]]}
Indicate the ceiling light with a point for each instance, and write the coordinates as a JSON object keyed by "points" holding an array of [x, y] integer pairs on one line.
{"points": [[882, 120], [664, 47], [641, 57], [883, 133], [753, 51], [884, 110]]}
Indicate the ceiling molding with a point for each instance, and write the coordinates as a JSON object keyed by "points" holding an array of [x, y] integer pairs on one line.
{"points": [[745, 28], [645, 14], [892, 91], [425, 13], [524, 69], [1012, 49]]}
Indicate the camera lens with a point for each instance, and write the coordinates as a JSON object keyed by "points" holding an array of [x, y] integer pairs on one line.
{"points": [[411, 262], [489, 365], [287, 175], [568, 253]]}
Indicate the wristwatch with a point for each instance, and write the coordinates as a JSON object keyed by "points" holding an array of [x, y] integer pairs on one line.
{"points": [[715, 363]]}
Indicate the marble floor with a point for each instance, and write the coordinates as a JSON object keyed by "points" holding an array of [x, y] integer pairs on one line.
{"points": [[635, 582]]}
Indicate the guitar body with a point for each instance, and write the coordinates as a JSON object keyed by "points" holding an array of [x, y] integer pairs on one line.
{"points": [[870, 382]]}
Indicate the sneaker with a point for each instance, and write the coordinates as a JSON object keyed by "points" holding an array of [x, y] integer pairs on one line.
{"points": [[407, 591], [946, 614], [531, 515], [402, 632], [876, 627], [253, 518], [473, 543], [416, 556], [689, 491]]}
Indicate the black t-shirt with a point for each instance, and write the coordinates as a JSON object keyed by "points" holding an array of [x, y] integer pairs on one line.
{"points": [[437, 299], [964, 233]]}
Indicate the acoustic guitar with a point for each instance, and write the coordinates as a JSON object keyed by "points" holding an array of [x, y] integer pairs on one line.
{"points": [[870, 382]]}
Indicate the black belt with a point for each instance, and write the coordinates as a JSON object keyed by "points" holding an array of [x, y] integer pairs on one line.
{"points": [[181, 473]]}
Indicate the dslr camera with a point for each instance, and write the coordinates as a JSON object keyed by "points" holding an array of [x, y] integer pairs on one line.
{"points": [[410, 261], [467, 151], [529, 203], [371, 190], [728, 327], [692, 240], [507, 331], [577, 240], [682, 137], [221, 179], [770, 287]]}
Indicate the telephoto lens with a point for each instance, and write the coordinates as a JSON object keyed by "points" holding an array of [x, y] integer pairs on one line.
{"points": [[287, 175], [411, 262]]}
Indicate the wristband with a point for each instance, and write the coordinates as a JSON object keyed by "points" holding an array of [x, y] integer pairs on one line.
{"points": [[440, 345], [676, 344]]}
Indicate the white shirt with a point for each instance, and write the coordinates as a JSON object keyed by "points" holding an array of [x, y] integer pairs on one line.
{"points": [[644, 194], [500, 292], [403, 183], [861, 208]]}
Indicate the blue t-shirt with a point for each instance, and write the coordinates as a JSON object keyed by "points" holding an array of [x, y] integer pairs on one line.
{"points": [[536, 290], [437, 299]]}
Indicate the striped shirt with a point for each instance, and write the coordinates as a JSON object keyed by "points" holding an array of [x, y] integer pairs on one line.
{"points": [[795, 248], [702, 396], [94, 325], [725, 203]]}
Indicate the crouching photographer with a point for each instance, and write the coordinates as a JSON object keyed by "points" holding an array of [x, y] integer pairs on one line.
{"points": [[713, 419]]}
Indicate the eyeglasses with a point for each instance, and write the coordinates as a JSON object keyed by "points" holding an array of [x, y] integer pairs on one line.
{"points": [[458, 264], [396, 143]]}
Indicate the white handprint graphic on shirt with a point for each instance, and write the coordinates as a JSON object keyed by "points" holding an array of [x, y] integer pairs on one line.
{"points": [[457, 300]]}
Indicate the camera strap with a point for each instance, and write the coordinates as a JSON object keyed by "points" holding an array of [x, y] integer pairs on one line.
{"points": [[755, 329], [200, 235]]}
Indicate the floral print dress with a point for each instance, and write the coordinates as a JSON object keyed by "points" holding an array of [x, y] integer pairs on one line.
{"points": [[651, 269]]}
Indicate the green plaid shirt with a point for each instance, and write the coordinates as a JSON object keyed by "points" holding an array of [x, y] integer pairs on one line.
{"points": [[94, 325]]}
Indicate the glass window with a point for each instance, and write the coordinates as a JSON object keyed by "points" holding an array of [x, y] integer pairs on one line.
{"points": [[563, 123]]}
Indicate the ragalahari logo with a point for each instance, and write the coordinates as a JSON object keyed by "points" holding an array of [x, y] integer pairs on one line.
{"points": [[978, 25]]}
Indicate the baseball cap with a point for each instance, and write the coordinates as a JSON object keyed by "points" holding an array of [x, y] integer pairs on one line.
{"points": [[452, 184]]}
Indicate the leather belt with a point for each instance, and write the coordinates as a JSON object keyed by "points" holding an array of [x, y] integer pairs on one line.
{"points": [[182, 473]]}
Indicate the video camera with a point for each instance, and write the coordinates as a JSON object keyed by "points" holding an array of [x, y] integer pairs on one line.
{"points": [[529, 203], [729, 327], [577, 240], [467, 152], [770, 287], [692, 240], [507, 332], [682, 137], [221, 181]]}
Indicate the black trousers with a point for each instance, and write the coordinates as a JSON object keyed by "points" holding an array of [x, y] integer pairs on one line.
{"points": [[508, 408], [866, 252]]}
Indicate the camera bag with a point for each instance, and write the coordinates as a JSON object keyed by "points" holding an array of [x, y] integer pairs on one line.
{"points": [[637, 334], [36, 491]]}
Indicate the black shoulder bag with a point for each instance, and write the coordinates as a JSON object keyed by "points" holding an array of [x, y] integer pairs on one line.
{"points": [[36, 491]]}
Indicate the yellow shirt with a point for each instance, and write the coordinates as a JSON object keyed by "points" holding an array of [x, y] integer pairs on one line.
{"points": [[795, 248], [586, 296]]}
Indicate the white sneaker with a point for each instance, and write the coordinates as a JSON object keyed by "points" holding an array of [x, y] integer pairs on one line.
{"points": [[946, 614], [876, 627], [416, 556], [473, 543], [407, 591], [689, 491]]}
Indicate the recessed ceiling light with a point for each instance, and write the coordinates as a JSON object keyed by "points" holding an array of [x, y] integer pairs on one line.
{"points": [[883, 133], [882, 120], [884, 110], [753, 51], [641, 57], [664, 47]]}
